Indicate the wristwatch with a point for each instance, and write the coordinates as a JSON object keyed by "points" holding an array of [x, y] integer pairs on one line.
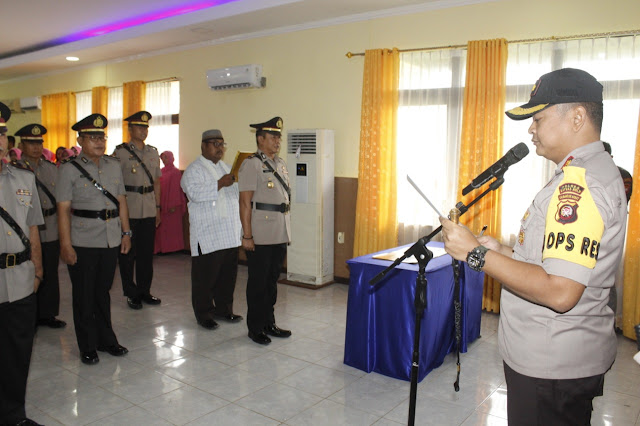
{"points": [[129, 233], [475, 258]]}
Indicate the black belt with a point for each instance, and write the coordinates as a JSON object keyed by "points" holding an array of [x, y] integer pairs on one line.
{"points": [[139, 189], [9, 260], [282, 208], [48, 212], [97, 214]]}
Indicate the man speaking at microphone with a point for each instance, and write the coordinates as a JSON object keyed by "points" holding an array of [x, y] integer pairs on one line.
{"points": [[556, 332]]}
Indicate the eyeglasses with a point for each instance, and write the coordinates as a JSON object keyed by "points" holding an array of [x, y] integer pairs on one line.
{"points": [[222, 144], [96, 138]]}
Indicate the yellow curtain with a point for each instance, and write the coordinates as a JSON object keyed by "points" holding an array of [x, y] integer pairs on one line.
{"points": [[481, 145], [58, 115], [376, 210], [99, 100], [631, 285], [133, 99]]}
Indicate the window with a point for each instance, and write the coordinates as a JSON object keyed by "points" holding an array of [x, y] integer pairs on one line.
{"points": [[163, 102]]}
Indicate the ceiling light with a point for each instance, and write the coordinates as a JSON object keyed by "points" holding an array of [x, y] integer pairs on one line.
{"points": [[72, 58]]}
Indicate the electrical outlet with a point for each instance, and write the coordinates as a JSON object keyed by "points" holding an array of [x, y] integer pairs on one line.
{"points": [[340, 237]]}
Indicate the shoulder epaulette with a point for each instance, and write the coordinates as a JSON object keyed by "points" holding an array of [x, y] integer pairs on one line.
{"points": [[49, 161], [151, 146], [111, 157], [121, 146], [66, 160], [20, 166]]}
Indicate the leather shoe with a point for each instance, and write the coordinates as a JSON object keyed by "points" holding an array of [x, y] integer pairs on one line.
{"points": [[115, 350], [230, 317], [27, 422], [52, 322], [151, 300], [275, 331], [209, 324], [90, 357], [134, 303], [259, 338]]}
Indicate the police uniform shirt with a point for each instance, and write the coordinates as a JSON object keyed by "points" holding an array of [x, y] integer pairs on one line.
{"points": [[19, 196], [574, 229], [140, 205], [268, 227], [73, 186], [47, 173]]}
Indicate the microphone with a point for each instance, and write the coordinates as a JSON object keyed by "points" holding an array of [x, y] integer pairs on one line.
{"points": [[498, 168]]}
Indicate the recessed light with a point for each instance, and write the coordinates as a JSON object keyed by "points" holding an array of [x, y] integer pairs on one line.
{"points": [[72, 58]]}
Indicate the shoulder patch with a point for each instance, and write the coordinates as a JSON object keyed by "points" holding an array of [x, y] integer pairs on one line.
{"points": [[19, 165], [120, 146], [573, 227]]}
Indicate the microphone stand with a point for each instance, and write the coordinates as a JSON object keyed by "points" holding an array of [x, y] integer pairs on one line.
{"points": [[423, 255]]}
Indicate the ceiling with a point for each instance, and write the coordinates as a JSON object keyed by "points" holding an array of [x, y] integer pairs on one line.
{"points": [[38, 35]]}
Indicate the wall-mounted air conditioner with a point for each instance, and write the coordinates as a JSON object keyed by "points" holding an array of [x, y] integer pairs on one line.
{"points": [[33, 102], [236, 77], [310, 160]]}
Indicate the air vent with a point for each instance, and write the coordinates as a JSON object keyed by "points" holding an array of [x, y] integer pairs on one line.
{"points": [[305, 141]]}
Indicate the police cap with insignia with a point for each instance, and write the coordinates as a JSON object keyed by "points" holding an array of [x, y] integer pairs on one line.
{"points": [[5, 113], [32, 133], [563, 86], [93, 124], [273, 126], [140, 118]]}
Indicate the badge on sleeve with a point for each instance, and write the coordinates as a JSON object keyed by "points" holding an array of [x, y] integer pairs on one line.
{"points": [[574, 226]]}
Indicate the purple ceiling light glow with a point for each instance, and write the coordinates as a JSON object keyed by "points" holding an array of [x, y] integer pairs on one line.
{"points": [[141, 20]]}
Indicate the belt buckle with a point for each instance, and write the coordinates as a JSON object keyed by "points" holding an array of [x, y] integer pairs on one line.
{"points": [[283, 208], [10, 256]]}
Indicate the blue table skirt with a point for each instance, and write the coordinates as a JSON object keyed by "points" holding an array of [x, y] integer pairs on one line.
{"points": [[381, 319]]}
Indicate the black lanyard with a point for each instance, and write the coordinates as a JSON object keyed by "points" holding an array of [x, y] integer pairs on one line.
{"points": [[96, 184], [130, 149], [282, 182], [12, 223]]}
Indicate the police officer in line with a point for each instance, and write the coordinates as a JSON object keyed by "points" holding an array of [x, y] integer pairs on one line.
{"points": [[140, 165], [264, 214], [20, 276], [94, 227], [46, 174]]}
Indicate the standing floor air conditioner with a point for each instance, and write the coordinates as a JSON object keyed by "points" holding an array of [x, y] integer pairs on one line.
{"points": [[310, 161]]}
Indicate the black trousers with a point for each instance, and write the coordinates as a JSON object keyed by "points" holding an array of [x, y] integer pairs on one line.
{"points": [[264, 264], [91, 280], [548, 402], [139, 257], [213, 280], [17, 328], [49, 290]]}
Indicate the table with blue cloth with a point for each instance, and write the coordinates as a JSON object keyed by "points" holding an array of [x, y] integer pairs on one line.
{"points": [[381, 318]]}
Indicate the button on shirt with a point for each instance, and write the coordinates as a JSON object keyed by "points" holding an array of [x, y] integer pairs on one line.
{"points": [[140, 205], [47, 173], [73, 186], [19, 196], [214, 218], [534, 340]]}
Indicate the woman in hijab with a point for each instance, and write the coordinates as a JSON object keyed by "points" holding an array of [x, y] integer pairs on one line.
{"points": [[14, 154], [173, 204]]}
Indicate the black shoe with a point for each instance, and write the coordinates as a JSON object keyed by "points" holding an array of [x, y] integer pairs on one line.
{"points": [[273, 330], [209, 324], [90, 357], [134, 303], [230, 317], [115, 350], [151, 300], [27, 422], [52, 322], [259, 338]]}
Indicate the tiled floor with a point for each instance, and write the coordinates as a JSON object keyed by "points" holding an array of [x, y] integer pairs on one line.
{"points": [[179, 373]]}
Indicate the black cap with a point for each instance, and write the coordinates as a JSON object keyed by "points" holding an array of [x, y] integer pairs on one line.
{"points": [[272, 126], [5, 114], [93, 124], [140, 118], [562, 86], [32, 133]]}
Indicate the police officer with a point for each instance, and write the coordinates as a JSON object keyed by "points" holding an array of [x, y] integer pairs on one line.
{"points": [[140, 165], [46, 174], [264, 214], [94, 227], [20, 276]]}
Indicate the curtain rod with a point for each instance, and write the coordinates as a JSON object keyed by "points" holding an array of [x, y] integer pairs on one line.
{"points": [[529, 40], [151, 81]]}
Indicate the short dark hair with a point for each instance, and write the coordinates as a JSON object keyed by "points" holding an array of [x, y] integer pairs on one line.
{"points": [[607, 147], [594, 112]]}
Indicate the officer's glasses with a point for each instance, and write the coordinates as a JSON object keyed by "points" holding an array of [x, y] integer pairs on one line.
{"points": [[96, 138], [221, 144]]}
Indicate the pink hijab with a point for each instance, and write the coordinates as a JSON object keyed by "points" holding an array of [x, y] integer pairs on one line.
{"points": [[47, 154], [17, 151]]}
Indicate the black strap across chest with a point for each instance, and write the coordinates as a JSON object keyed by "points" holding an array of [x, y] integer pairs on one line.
{"points": [[96, 184], [41, 185], [278, 177], [18, 258], [132, 152]]}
